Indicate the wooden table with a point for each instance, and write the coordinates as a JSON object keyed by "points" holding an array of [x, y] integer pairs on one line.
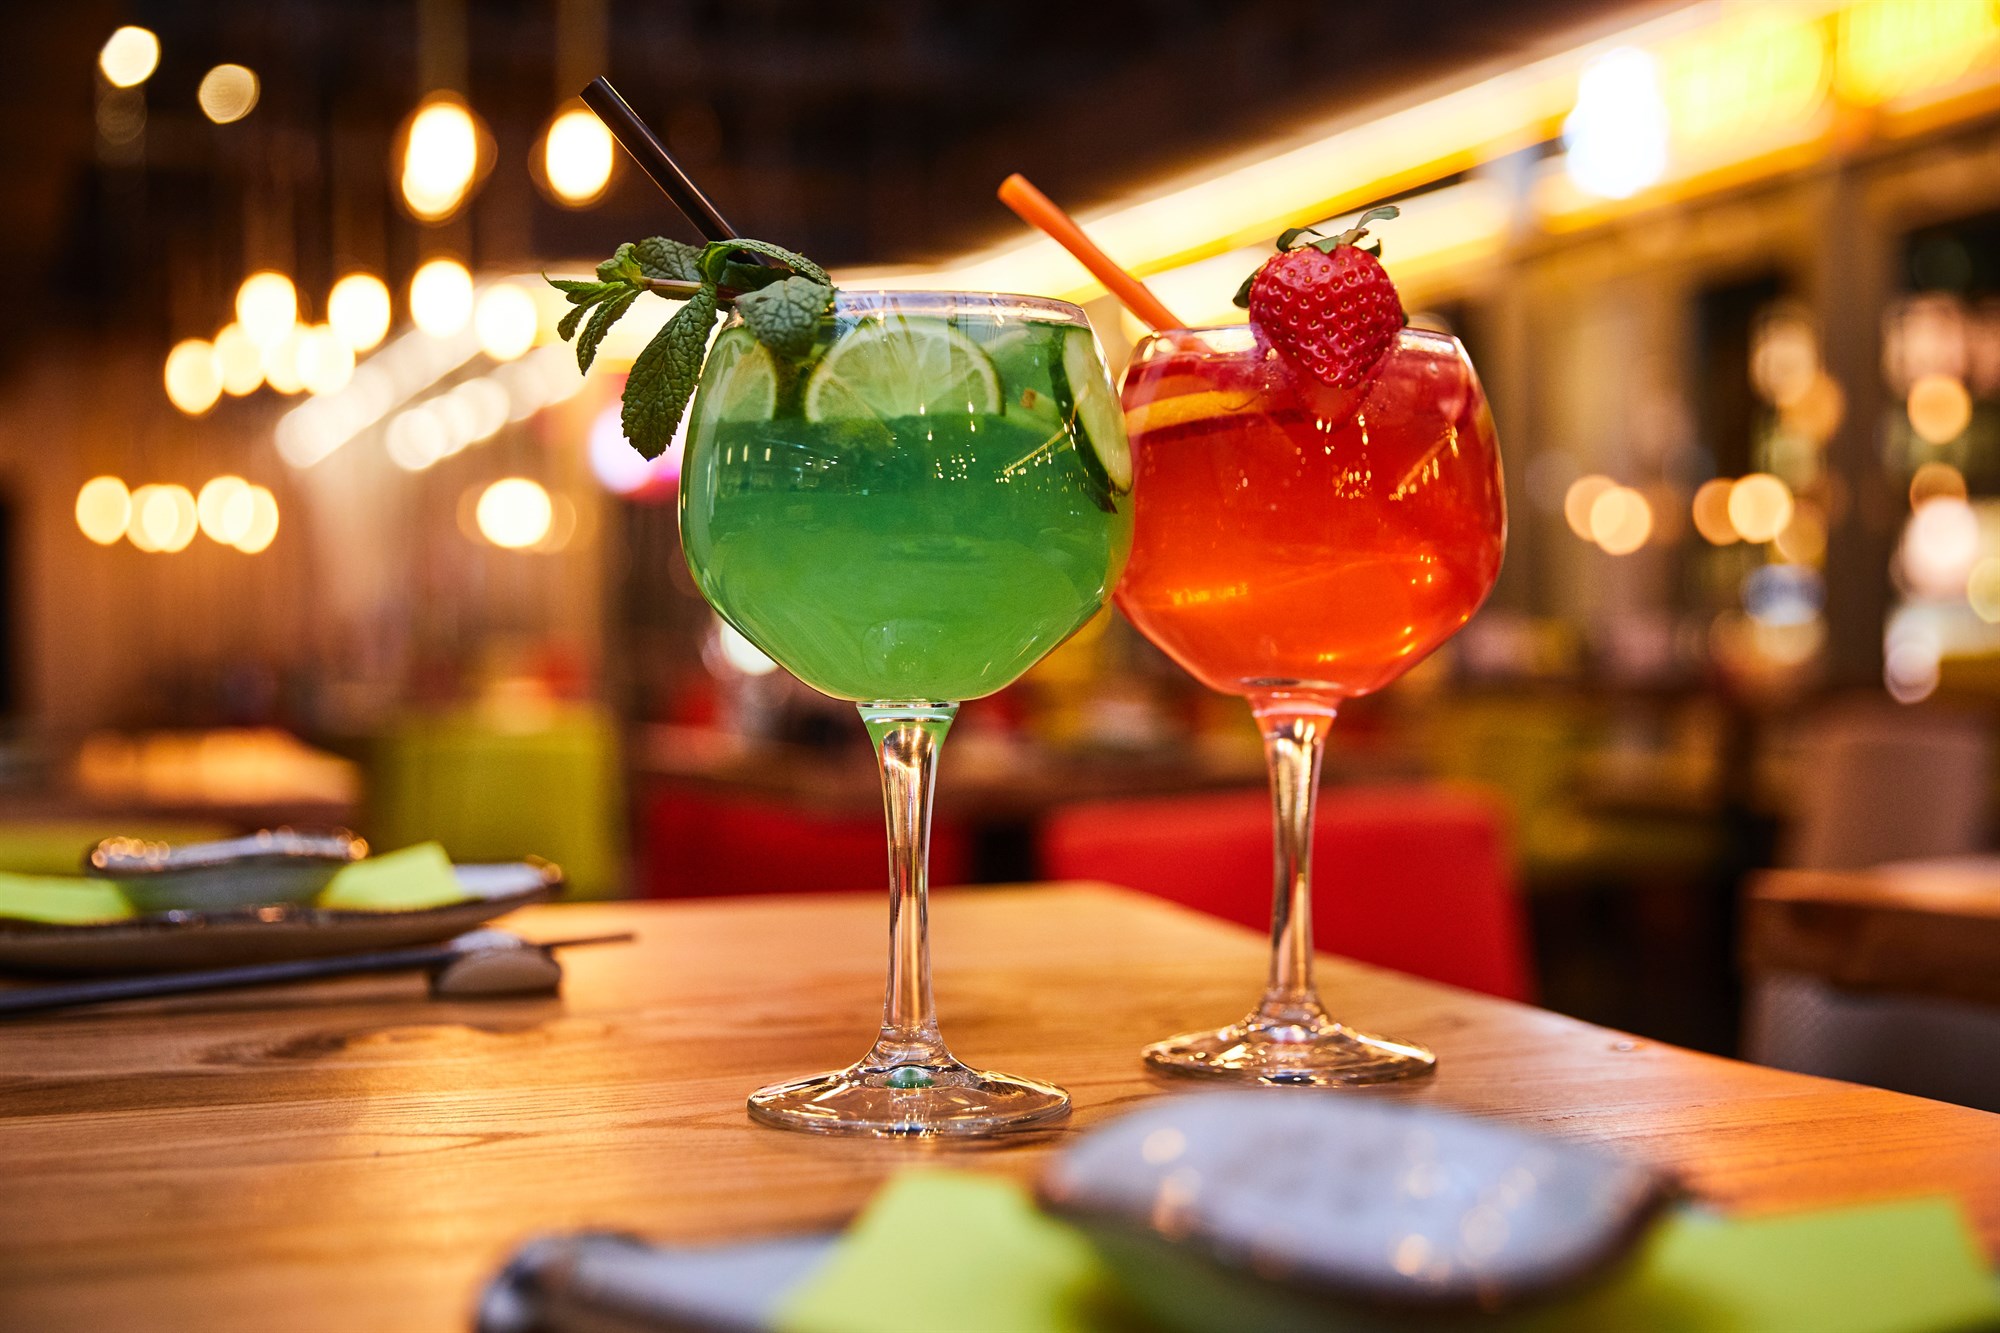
{"points": [[1919, 930], [356, 1157]]}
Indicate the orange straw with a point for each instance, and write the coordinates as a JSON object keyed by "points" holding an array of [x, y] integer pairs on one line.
{"points": [[1039, 211]]}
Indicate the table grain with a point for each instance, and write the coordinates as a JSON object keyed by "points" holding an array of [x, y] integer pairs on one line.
{"points": [[355, 1156]]}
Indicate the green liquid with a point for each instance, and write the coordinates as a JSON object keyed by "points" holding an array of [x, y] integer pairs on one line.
{"points": [[915, 558]]}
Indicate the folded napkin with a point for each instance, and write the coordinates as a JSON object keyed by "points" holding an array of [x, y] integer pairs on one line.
{"points": [[940, 1249], [405, 881]]}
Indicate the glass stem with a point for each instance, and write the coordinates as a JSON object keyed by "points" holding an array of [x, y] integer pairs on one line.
{"points": [[907, 737], [1294, 743]]}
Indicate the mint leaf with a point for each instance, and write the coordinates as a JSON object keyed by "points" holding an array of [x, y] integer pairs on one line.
{"points": [[582, 292], [663, 377], [567, 329], [785, 315], [602, 318], [671, 260], [623, 266], [718, 254]]}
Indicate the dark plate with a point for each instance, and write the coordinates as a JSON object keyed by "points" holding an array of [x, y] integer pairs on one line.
{"points": [[176, 941]]}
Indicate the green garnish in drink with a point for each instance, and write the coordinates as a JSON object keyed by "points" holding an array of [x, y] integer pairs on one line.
{"points": [[914, 517]]}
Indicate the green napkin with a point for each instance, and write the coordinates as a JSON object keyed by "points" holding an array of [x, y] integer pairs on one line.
{"points": [[61, 900], [948, 1249], [942, 1249], [405, 881]]}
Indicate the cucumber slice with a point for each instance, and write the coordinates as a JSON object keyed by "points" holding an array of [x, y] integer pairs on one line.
{"points": [[1104, 445]]}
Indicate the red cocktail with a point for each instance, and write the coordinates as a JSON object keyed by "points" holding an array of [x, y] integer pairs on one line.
{"points": [[1299, 543]]}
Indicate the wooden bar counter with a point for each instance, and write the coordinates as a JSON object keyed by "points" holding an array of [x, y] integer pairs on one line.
{"points": [[355, 1156]]}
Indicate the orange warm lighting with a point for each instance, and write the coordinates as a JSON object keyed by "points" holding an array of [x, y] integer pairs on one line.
{"points": [[1580, 498], [1621, 519], [193, 376], [1711, 512], [1760, 505], [1940, 408], [163, 518], [576, 157], [445, 149]]}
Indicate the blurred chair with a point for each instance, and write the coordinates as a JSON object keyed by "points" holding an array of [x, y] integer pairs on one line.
{"points": [[499, 793], [698, 843], [1878, 785], [1413, 878]]}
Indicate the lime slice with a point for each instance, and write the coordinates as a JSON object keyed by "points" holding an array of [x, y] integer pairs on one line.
{"points": [[1097, 411], [902, 368], [739, 382]]}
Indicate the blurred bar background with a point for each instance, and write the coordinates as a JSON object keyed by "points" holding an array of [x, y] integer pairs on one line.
{"points": [[305, 515]]}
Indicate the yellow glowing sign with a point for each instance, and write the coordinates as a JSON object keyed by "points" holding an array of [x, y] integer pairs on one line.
{"points": [[1892, 48]]}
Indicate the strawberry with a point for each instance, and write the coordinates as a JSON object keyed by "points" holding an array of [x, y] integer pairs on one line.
{"points": [[1326, 303]]}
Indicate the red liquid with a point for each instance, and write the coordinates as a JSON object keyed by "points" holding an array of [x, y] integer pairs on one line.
{"points": [[1286, 542]]}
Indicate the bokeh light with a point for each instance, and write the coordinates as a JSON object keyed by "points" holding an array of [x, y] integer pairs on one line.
{"points": [[358, 310], [129, 57], [440, 157], [1784, 357], [441, 298], [1940, 408], [1578, 499], [193, 376], [263, 529], [741, 654], [1621, 519], [241, 362], [1803, 542], [506, 320], [1940, 547], [227, 94], [1616, 136], [515, 512], [1935, 481], [163, 518], [1982, 590], [325, 361], [1760, 505], [103, 509], [281, 362], [267, 305], [577, 157], [223, 509], [1711, 512]]}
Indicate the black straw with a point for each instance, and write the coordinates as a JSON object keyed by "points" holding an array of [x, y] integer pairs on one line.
{"points": [[653, 158]]}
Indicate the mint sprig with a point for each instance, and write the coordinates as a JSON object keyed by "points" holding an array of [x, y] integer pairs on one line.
{"points": [[780, 302]]}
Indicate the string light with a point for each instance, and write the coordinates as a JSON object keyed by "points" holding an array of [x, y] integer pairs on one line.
{"points": [[223, 509], [1760, 506], [358, 310], [325, 361], [263, 526], [515, 512], [267, 305], [577, 157], [129, 57], [506, 321], [227, 94], [163, 518], [1578, 500], [1621, 519], [1711, 512], [281, 362], [241, 362], [441, 297], [103, 509], [193, 376], [441, 157]]}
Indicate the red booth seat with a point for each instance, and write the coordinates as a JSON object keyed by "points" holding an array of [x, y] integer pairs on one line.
{"points": [[1415, 878], [695, 843]]}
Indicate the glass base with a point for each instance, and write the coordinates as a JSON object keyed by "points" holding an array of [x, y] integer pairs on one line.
{"points": [[912, 1101], [1315, 1052]]}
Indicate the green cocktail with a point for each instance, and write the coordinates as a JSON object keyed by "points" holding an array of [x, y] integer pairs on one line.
{"points": [[919, 513], [910, 513]]}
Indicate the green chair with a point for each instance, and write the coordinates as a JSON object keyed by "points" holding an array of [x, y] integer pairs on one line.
{"points": [[547, 787]]}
